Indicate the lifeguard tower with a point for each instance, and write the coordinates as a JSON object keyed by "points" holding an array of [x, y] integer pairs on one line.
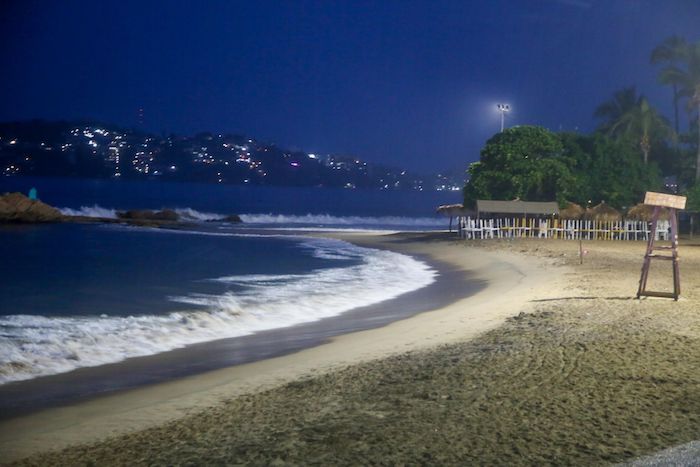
{"points": [[673, 203]]}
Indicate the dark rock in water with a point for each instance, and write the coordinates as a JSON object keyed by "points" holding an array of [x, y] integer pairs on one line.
{"points": [[16, 207], [233, 218], [148, 215]]}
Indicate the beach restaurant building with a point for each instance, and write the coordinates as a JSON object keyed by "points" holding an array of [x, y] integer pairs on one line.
{"points": [[516, 208]]}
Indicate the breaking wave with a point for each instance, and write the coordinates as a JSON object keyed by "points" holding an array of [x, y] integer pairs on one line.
{"points": [[187, 214], [190, 214], [286, 220], [32, 346], [90, 211], [342, 221]]}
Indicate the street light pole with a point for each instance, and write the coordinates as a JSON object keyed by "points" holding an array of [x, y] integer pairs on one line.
{"points": [[503, 108]]}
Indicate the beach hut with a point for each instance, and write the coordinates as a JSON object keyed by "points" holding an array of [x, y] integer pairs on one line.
{"points": [[603, 213], [572, 211], [643, 212], [452, 211], [516, 218], [493, 208]]}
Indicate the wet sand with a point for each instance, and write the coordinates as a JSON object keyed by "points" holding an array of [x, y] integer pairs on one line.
{"points": [[553, 363]]}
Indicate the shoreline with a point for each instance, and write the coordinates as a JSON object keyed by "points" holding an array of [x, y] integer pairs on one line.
{"points": [[511, 282], [21, 398]]}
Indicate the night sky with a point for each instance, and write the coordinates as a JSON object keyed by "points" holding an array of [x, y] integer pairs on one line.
{"points": [[408, 83]]}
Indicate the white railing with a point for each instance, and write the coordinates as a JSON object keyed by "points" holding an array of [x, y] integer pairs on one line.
{"points": [[555, 228]]}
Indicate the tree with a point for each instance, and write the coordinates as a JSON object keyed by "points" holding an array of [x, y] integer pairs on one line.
{"points": [[693, 198], [629, 115], [534, 164], [686, 77], [622, 102], [608, 170], [523, 162], [641, 122], [670, 53]]}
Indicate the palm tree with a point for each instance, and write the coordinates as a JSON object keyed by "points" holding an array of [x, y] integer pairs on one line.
{"points": [[670, 52], [622, 102], [687, 78], [640, 121]]}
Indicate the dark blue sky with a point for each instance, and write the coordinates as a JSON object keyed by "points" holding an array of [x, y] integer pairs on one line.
{"points": [[409, 83]]}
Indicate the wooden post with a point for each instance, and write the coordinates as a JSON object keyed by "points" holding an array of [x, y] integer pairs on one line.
{"points": [[672, 202], [674, 249], [580, 251]]}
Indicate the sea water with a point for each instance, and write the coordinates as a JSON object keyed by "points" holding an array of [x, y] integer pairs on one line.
{"points": [[268, 206], [74, 296]]}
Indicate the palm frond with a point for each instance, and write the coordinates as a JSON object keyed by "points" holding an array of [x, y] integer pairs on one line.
{"points": [[670, 50]]}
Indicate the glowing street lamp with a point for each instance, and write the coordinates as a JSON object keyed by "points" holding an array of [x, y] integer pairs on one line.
{"points": [[503, 108]]}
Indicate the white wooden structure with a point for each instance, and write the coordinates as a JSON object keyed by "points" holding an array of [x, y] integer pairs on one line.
{"points": [[470, 228]]}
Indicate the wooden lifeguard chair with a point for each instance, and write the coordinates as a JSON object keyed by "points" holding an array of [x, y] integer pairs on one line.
{"points": [[673, 203]]}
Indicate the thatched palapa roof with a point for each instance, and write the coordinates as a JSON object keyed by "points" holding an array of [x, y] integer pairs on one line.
{"points": [[572, 211], [516, 206], [602, 213], [643, 212], [452, 210]]}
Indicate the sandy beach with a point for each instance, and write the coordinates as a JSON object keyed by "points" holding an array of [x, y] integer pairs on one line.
{"points": [[553, 362]]}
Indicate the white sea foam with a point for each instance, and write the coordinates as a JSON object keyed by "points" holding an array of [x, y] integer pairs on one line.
{"points": [[298, 222], [32, 346], [90, 211], [256, 278], [194, 215], [99, 211], [327, 219]]}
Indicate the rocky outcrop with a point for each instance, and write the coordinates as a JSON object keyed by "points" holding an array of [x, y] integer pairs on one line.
{"points": [[16, 207], [164, 216], [233, 218]]}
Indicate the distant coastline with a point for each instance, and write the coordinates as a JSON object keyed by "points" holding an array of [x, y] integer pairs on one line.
{"points": [[96, 150]]}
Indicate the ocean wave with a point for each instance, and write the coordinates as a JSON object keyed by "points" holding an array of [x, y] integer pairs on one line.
{"points": [[327, 219], [90, 211], [255, 278], [302, 221], [32, 346], [198, 216], [187, 214]]}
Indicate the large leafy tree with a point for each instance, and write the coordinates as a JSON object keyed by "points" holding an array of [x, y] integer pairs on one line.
{"points": [[609, 170], [686, 77], [525, 162], [534, 164]]}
